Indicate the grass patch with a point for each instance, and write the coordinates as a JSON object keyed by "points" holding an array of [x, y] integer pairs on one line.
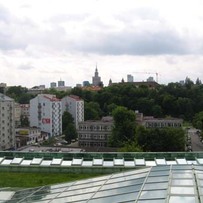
{"points": [[25, 180]]}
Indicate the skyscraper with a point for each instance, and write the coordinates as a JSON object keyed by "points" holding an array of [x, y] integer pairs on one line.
{"points": [[96, 80]]}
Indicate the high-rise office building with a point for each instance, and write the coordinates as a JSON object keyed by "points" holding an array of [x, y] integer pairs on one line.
{"points": [[130, 78]]}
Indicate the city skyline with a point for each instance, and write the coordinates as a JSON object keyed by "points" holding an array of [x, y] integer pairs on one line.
{"points": [[41, 42]]}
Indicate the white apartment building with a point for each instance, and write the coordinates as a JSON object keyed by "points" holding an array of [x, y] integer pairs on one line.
{"points": [[7, 122], [46, 114], [75, 106]]}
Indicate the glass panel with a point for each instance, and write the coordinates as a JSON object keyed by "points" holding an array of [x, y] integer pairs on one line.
{"points": [[46, 163], [116, 191], [150, 163], [97, 162], [160, 161], [16, 160], [200, 161], [139, 162], [93, 184], [181, 161], [192, 162], [66, 163], [1, 159], [108, 163], [152, 201], [157, 179], [182, 175], [72, 198], [36, 161], [116, 198], [153, 194], [182, 199], [159, 173], [183, 190], [25, 162], [182, 182], [171, 162], [6, 195], [77, 162], [79, 191], [119, 162], [6, 162], [129, 163], [56, 161], [154, 186], [137, 183], [87, 163]]}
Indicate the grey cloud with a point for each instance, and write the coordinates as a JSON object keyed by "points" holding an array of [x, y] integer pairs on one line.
{"points": [[27, 66], [133, 43]]}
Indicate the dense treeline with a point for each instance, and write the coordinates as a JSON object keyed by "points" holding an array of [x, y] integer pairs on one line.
{"points": [[174, 99]]}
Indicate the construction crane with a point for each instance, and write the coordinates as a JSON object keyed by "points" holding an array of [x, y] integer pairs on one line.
{"points": [[151, 73]]}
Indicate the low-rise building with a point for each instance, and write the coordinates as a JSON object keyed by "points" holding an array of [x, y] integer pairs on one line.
{"points": [[162, 123], [95, 133], [29, 136]]}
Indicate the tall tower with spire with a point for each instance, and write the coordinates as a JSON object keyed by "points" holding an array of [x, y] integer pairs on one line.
{"points": [[96, 80]]}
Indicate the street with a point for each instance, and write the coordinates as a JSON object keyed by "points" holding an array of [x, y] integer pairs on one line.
{"points": [[196, 144]]}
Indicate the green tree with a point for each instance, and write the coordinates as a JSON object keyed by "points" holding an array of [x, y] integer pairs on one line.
{"points": [[70, 133], [66, 119], [92, 111], [198, 120], [124, 127]]}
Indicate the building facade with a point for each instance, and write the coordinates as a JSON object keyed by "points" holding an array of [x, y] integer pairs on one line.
{"points": [[7, 122], [162, 123], [75, 106], [130, 78], [46, 114], [95, 133], [17, 114], [96, 80], [29, 136]]}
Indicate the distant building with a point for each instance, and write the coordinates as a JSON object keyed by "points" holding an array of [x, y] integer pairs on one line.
{"points": [[29, 136], [96, 80], [3, 87], [46, 114], [17, 113], [37, 89], [86, 83], [25, 110], [130, 78], [162, 122], [7, 122], [75, 106], [78, 85], [150, 79], [52, 84], [61, 83], [95, 133]]}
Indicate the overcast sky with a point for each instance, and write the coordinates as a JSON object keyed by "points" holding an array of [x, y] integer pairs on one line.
{"points": [[42, 41]]}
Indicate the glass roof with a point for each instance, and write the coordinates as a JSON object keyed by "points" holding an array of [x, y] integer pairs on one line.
{"points": [[156, 184]]}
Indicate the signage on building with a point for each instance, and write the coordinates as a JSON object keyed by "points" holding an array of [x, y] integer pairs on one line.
{"points": [[46, 121]]}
